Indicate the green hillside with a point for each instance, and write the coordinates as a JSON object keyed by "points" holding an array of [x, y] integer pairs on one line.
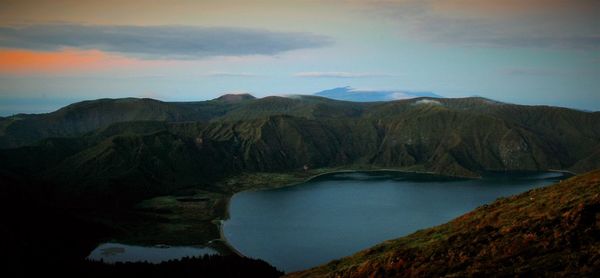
{"points": [[131, 149]]}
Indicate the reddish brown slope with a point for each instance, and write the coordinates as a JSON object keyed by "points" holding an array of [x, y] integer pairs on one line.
{"points": [[552, 231]]}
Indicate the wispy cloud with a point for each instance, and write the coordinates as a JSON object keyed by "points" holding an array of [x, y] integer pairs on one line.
{"points": [[563, 24], [340, 74], [532, 72], [157, 42], [500, 33], [549, 72], [230, 74]]}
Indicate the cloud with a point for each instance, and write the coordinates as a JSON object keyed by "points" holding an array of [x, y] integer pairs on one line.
{"points": [[340, 74], [557, 24], [230, 74], [18, 62], [532, 72], [501, 33], [427, 102], [549, 72], [158, 42], [366, 95]]}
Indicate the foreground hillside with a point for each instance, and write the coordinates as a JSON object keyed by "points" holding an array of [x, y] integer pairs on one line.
{"points": [[552, 231]]}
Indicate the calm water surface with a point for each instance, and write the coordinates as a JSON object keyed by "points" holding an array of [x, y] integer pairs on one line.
{"points": [[336, 215], [116, 252]]}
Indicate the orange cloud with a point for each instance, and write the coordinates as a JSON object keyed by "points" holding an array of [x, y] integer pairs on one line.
{"points": [[16, 61]]}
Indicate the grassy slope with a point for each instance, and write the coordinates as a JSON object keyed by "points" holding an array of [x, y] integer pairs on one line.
{"points": [[552, 231]]}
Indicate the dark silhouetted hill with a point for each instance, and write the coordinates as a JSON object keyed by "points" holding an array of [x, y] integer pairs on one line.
{"points": [[129, 149]]}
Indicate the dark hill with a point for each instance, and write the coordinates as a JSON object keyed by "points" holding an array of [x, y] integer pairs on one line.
{"points": [[235, 97], [128, 149], [80, 118], [552, 231]]}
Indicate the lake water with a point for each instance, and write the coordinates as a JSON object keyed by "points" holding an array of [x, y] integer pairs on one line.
{"points": [[116, 252], [336, 215]]}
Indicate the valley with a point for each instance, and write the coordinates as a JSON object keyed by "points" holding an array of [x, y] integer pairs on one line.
{"points": [[146, 172]]}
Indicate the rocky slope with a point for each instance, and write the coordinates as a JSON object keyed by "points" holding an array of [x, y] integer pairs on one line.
{"points": [[552, 231]]}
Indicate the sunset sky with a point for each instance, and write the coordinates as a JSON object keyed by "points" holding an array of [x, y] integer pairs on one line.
{"points": [[532, 52]]}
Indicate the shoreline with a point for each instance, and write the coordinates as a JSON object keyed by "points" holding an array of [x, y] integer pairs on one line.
{"points": [[563, 171], [223, 240], [223, 247], [219, 222], [329, 172]]}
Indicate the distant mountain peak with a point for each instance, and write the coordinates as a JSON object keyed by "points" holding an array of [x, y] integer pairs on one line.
{"points": [[235, 97], [352, 94]]}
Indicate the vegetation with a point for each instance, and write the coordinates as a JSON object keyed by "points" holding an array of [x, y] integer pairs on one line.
{"points": [[119, 152], [145, 171], [193, 216], [454, 136], [206, 266], [551, 231]]}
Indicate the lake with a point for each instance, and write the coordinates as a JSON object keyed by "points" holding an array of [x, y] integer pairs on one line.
{"points": [[338, 214], [117, 252]]}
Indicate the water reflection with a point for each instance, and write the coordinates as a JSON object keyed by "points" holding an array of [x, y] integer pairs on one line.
{"points": [[117, 252], [336, 215]]}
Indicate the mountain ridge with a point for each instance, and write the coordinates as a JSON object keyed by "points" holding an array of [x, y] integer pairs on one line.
{"points": [[115, 145], [26, 129]]}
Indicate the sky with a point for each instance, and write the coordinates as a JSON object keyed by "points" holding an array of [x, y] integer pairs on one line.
{"points": [[533, 52]]}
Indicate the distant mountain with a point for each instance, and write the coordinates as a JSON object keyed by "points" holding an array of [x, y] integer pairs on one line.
{"points": [[235, 97], [351, 94], [82, 117], [129, 149], [549, 232]]}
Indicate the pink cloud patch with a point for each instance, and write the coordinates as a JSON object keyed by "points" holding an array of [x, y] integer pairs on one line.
{"points": [[66, 61]]}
